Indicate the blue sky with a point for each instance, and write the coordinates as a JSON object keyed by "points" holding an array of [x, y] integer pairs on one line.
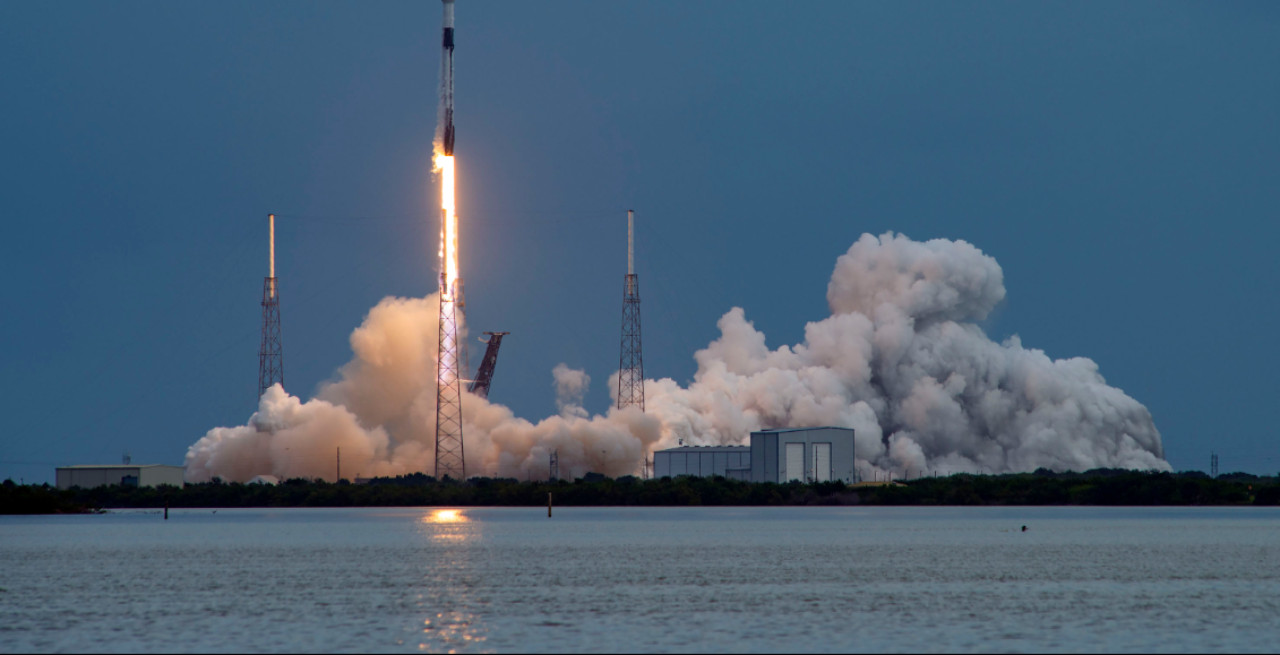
{"points": [[1118, 159]]}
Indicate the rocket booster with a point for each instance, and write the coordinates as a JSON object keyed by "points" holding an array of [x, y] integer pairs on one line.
{"points": [[446, 81]]}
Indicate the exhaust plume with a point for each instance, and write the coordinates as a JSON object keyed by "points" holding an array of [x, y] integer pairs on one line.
{"points": [[380, 410], [900, 359], [571, 386]]}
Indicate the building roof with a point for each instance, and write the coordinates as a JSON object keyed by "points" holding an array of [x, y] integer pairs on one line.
{"points": [[704, 449], [118, 466], [823, 427]]}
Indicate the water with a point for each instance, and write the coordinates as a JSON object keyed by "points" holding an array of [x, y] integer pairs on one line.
{"points": [[647, 579]]}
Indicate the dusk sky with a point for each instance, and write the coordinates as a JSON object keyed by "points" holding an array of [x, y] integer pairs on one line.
{"points": [[1119, 161]]}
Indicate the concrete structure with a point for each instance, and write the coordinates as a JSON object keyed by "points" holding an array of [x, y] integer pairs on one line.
{"points": [[703, 461], [805, 454], [137, 475]]}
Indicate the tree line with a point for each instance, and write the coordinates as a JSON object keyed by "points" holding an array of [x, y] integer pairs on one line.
{"points": [[1097, 487]]}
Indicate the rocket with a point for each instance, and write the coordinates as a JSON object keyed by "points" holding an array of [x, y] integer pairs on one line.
{"points": [[446, 81]]}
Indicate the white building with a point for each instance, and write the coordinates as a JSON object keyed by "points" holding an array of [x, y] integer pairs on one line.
{"points": [[129, 475], [805, 454]]}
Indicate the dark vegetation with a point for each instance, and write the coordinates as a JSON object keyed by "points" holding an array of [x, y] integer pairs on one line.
{"points": [[1097, 487]]}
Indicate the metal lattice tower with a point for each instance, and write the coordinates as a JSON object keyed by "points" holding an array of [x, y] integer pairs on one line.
{"points": [[464, 353], [270, 354], [449, 452], [631, 361], [1213, 465], [554, 465], [484, 377]]}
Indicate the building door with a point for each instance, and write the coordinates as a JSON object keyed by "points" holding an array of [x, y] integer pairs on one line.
{"points": [[795, 462], [822, 462]]}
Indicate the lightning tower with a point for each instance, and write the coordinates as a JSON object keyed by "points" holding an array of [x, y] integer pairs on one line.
{"points": [[450, 460], [270, 354], [631, 363]]}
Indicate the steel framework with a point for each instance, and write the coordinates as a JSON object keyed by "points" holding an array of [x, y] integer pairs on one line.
{"points": [[484, 377], [450, 460], [631, 360], [270, 353]]}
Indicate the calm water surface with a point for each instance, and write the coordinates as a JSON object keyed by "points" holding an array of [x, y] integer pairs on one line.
{"points": [[648, 579]]}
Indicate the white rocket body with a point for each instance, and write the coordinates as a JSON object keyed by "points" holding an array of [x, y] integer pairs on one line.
{"points": [[446, 81], [271, 241]]}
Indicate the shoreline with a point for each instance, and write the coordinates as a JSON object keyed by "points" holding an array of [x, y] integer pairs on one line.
{"points": [[1100, 488]]}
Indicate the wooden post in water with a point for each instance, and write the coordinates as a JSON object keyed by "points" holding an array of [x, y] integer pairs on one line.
{"points": [[548, 504], [166, 510]]}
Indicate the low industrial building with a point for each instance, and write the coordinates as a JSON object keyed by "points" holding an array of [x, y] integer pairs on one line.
{"points": [[805, 454], [129, 475], [703, 461]]}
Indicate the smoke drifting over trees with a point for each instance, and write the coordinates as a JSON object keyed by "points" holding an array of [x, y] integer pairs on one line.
{"points": [[901, 360]]}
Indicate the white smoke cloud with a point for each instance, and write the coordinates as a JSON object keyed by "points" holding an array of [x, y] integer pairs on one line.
{"points": [[571, 386], [380, 410], [900, 360]]}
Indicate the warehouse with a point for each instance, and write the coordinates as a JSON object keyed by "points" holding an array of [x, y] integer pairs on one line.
{"points": [[703, 461], [805, 454], [129, 475]]}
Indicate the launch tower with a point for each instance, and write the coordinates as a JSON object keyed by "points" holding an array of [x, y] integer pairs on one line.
{"points": [[270, 354], [631, 363], [450, 459], [449, 451]]}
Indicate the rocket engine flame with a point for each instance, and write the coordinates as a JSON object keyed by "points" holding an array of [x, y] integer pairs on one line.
{"points": [[449, 279], [448, 228]]}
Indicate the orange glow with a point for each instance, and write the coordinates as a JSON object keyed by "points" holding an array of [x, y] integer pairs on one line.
{"points": [[448, 226], [446, 516]]}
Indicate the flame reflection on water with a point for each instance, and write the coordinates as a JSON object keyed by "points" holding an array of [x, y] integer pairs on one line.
{"points": [[455, 629], [450, 525], [450, 632], [446, 516]]}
